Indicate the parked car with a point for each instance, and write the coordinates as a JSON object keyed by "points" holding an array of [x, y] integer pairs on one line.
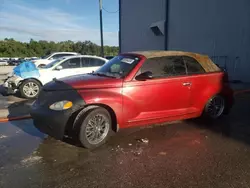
{"points": [[15, 62], [33, 59], [132, 89], [49, 58], [3, 62], [30, 86]]}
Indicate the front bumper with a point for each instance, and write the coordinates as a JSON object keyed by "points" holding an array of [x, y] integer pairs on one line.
{"points": [[53, 122], [50, 122], [11, 85], [10, 88]]}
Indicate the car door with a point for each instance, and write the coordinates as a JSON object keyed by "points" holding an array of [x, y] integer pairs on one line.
{"points": [[167, 94], [90, 64], [200, 81]]}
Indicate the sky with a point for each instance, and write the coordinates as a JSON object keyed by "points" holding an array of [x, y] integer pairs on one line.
{"points": [[59, 20]]}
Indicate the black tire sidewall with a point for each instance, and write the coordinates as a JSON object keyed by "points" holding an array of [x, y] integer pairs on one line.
{"points": [[25, 82], [88, 115], [206, 115]]}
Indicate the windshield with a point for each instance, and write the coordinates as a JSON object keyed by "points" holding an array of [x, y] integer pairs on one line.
{"points": [[118, 67], [45, 57], [53, 63]]}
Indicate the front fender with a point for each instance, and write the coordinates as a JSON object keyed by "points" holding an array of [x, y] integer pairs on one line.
{"points": [[111, 97]]}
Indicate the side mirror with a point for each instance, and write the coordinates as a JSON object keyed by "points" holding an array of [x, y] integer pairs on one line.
{"points": [[144, 76], [59, 67]]}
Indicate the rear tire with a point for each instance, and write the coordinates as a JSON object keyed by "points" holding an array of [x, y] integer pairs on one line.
{"points": [[30, 89], [215, 107], [93, 127]]}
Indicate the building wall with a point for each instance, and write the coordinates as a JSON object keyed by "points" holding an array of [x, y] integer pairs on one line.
{"points": [[219, 28], [136, 16]]}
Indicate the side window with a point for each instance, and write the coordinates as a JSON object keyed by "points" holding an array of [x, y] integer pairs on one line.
{"points": [[193, 67], [71, 63], [99, 62], [92, 62], [165, 66]]}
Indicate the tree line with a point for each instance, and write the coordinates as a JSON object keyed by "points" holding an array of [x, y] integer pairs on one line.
{"points": [[13, 48]]}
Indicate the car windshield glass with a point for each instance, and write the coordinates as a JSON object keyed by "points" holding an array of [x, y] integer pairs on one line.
{"points": [[118, 67], [53, 63], [45, 57]]}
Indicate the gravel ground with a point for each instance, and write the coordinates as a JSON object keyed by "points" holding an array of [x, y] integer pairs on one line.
{"points": [[5, 69]]}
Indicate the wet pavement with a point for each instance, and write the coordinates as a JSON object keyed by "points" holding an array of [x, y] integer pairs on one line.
{"points": [[180, 154]]}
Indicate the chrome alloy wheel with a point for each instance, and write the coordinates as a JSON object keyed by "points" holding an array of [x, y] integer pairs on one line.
{"points": [[97, 129], [216, 106], [31, 89]]}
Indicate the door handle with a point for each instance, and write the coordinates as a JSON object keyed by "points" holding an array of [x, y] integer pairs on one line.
{"points": [[187, 84]]}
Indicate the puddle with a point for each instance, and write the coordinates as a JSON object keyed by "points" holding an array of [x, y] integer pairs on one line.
{"points": [[31, 160], [3, 136]]}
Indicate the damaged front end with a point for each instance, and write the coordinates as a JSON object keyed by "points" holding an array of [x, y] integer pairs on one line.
{"points": [[23, 71], [11, 83]]}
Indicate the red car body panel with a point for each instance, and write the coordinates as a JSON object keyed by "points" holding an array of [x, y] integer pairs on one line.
{"points": [[203, 88], [155, 99], [100, 91], [152, 101]]}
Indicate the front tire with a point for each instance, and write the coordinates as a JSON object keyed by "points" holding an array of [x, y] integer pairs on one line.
{"points": [[30, 89], [94, 127], [215, 107]]}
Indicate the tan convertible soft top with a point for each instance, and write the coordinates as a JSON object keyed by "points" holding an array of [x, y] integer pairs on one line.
{"points": [[204, 60]]}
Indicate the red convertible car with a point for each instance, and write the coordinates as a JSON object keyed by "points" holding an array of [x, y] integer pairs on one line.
{"points": [[132, 89]]}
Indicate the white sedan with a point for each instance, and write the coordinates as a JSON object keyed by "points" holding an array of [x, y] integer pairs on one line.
{"points": [[51, 57], [63, 67], [3, 63]]}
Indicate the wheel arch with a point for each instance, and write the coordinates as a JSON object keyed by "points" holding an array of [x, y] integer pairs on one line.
{"points": [[115, 126], [19, 84], [226, 99], [69, 129]]}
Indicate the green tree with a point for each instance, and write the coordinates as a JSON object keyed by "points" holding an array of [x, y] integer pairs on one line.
{"points": [[11, 48]]}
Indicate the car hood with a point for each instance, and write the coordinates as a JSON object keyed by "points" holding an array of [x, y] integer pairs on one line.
{"points": [[44, 71], [26, 70], [84, 81], [41, 61]]}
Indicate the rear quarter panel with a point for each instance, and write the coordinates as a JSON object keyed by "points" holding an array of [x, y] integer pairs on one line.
{"points": [[204, 87]]}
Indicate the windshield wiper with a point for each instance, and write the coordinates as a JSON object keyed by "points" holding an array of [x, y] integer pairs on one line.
{"points": [[102, 74]]}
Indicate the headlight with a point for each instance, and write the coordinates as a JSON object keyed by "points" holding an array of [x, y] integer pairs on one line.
{"points": [[61, 105], [13, 78]]}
